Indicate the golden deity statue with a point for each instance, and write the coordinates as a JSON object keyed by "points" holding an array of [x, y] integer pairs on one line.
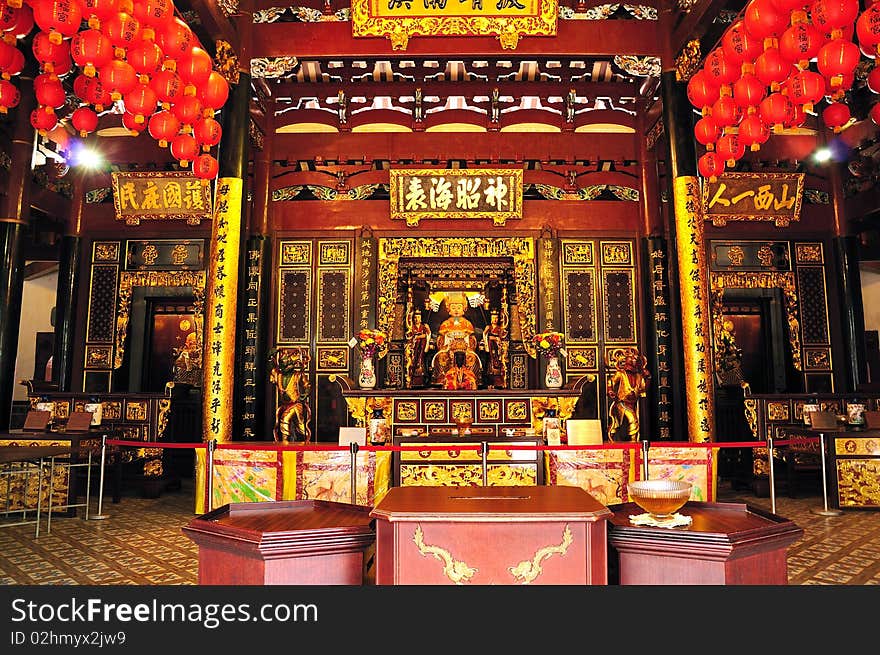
{"points": [[456, 333]]}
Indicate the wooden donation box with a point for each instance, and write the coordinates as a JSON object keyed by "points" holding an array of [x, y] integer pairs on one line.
{"points": [[490, 535], [725, 544], [296, 542]]}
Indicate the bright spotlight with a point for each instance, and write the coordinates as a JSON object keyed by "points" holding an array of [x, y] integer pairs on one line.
{"points": [[87, 158], [822, 155]]}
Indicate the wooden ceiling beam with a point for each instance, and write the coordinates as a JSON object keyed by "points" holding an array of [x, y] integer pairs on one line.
{"points": [[214, 22], [581, 38]]}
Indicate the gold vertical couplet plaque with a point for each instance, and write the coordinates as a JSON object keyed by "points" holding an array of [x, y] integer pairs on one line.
{"points": [[694, 289], [221, 309]]}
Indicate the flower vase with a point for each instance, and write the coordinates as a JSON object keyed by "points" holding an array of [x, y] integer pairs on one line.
{"points": [[367, 376], [553, 374]]}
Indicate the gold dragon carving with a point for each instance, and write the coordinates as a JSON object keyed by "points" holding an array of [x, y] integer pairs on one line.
{"points": [[456, 571], [528, 571]]}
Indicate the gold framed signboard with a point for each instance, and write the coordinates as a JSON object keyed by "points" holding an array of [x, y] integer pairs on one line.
{"points": [[773, 197], [398, 20], [173, 195], [494, 193]]}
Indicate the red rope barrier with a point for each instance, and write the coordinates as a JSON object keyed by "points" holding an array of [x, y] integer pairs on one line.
{"points": [[154, 444]]}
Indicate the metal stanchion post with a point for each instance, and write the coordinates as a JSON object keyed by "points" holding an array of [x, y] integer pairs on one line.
{"points": [[353, 448], [770, 474], [100, 515], [484, 454], [825, 510], [209, 473], [645, 446]]}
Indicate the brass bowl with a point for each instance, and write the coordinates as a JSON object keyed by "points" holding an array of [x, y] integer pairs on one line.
{"points": [[660, 498]]}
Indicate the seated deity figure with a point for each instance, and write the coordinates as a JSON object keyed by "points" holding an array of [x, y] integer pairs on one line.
{"points": [[456, 333]]}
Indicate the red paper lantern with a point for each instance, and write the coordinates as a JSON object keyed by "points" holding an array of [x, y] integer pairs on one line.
{"points": [[10, 96], [163, 127], [97, 11], [92, 90], [8, 17], [49, 91], [215, 91], [836, 116], [59, 18], [205, 167], [140, 101], [175, 38], [788, 6], [24, 22], [129, 121], [187, 109], [868, 29], [207, 132], [722, 73], [43, 119], [153, 14], [706, 131], [833, 16], [90, 50], [806, 88], [50, 55], [119, 77], [123, 30], [701, 91], [798, 117], [710, 166], [775, 111], [168, 87], [184, 148], [800, 43], [84, 120], [15, 64], [873, 80], [748, 91], [752, 132], [194, 67], [730, 149], [739, 46], [146, 58], [726, 112], [772, 69], [7, 52], [763, 21], [837, 58]]}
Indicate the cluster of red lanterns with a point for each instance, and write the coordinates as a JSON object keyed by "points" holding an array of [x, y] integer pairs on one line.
{"points": [[136, 55], [773, 65]]}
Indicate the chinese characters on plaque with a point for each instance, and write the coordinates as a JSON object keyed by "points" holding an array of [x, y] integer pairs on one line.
{"points": [[160, 196], [398, 20], [773, 197], [453, 194]]}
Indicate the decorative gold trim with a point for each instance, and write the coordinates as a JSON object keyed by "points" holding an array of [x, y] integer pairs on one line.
{"points": [[528, 571], [760, 280], [128, 280], [521, 249], [764, 182], [164, 409], [371, 18], [751, 411], [456, 571]]}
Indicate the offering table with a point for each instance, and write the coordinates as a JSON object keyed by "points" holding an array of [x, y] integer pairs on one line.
{"points": [[725, 544], [490, 535]]}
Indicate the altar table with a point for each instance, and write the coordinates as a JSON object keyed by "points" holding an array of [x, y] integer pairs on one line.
{"points": [[490, 535]]}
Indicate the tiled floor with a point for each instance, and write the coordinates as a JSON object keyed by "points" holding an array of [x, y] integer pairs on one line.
{"points": [[141, 543]]}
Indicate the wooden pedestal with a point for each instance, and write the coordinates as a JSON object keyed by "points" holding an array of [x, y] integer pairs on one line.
{"points": [[490, 535], [726, 544], [298, 542]]}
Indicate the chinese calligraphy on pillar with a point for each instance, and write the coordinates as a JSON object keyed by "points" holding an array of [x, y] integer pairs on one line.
{"points": [[773, 197], [160, 196], [251, 325], [663, 325], [453, 194], [220, 316], [694, 289], [398, 20]]}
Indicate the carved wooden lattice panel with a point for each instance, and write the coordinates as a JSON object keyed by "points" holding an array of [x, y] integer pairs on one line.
{"points": [[102, 304], [619, 306], [333, 302], [813, 304], [293, 320], [580, 300]]}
